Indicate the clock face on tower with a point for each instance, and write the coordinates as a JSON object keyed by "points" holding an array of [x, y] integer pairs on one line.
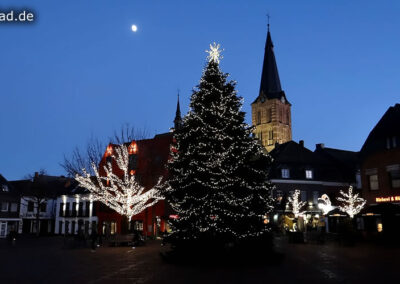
{"points": [[283, 100], [262, 99]]}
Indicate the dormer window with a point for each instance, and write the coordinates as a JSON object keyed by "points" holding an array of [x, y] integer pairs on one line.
{"points": [[285, 173], [109, 150], [309, 174], [132, 148]]}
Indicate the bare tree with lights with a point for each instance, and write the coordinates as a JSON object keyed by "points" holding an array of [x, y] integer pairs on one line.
{"points": [[122, 193], [351, 203], [295, 203]]}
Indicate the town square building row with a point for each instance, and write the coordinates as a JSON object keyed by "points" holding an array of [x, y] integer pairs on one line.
{"points": [[57, 205]]}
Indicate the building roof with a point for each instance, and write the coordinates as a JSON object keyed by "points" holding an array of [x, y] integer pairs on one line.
{"points": [[293, 152], [10, 190], [297, 159], [387, 127], [270, 86], [347, 162], [49, 186]]}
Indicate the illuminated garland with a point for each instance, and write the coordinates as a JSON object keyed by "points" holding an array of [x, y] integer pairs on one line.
{"points": [[295, 203], [351, 203], [123, 193]]}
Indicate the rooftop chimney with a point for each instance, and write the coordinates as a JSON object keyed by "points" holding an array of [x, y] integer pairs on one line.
{"points": [[319, 146], [301, 143]]}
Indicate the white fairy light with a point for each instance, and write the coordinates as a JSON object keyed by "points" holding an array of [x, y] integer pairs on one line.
{"points": [[351, 203], [296, 204], [123, 193], [326, 205], [214, 54]]}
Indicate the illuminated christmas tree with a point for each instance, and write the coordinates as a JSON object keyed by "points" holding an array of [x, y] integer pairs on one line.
{"points": [[218, 173]]}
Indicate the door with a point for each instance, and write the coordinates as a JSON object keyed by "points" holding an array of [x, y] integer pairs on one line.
{"points": [[3, 229]]}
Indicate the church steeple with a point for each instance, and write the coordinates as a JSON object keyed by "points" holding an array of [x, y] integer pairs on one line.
{"points": [[271, 114], [270, 86], [178, 119]]}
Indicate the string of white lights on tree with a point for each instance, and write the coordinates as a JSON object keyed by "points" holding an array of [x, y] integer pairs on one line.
{"points": [[351, 203], [122, 193], [295, 203], [218, 181]]}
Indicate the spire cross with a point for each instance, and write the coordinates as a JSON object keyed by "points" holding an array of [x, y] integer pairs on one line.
{"points": [[268, 16]]}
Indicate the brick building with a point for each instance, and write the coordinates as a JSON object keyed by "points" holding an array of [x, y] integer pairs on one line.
{"points": [[380, 160]]}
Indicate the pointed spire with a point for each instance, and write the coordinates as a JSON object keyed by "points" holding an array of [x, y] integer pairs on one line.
{"points": [[270, 87], [178, 119]]}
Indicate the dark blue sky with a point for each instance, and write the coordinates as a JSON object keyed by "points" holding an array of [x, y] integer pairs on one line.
{"points": [[80, 71]]}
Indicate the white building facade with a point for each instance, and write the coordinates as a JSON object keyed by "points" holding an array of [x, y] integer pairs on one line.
{"points": [[75, 215], [28, 213]]}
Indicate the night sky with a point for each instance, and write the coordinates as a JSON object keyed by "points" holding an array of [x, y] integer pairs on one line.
{"points": [[79, 71]]}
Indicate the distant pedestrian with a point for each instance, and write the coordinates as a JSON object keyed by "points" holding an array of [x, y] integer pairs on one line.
{"points": [[93, 238], [12, 237]]}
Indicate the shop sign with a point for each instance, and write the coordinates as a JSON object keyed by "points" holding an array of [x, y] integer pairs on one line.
{"points": [[388, 199]]}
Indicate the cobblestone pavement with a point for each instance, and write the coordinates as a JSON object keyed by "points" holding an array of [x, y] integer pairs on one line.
{"points": [[46, 260]]}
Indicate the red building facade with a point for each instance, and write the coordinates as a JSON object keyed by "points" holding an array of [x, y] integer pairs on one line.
{"points": [[147, 161]]}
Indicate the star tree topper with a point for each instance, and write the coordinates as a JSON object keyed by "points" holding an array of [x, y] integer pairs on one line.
{"points": [[214, 54]]}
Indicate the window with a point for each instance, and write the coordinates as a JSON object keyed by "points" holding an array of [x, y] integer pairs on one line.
{"points": [[80, 209], [132, 166], [258, 117], [67, 209], [74, 209], [30, 206], [280, 115], [271, 135], [4, 206], [309, 174], [279, 195], [14, 207], [287, 118], [4, 187], [87, 204], [61, 212], [394, 175], [315, 197], [3, 229], [43, 207], [373, 182], [303, 195], [268, 113], [285, 173], [391, 142]]}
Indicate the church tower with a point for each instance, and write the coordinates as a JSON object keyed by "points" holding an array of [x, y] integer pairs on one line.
{"points": [[178, 119], [270, 111]]}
